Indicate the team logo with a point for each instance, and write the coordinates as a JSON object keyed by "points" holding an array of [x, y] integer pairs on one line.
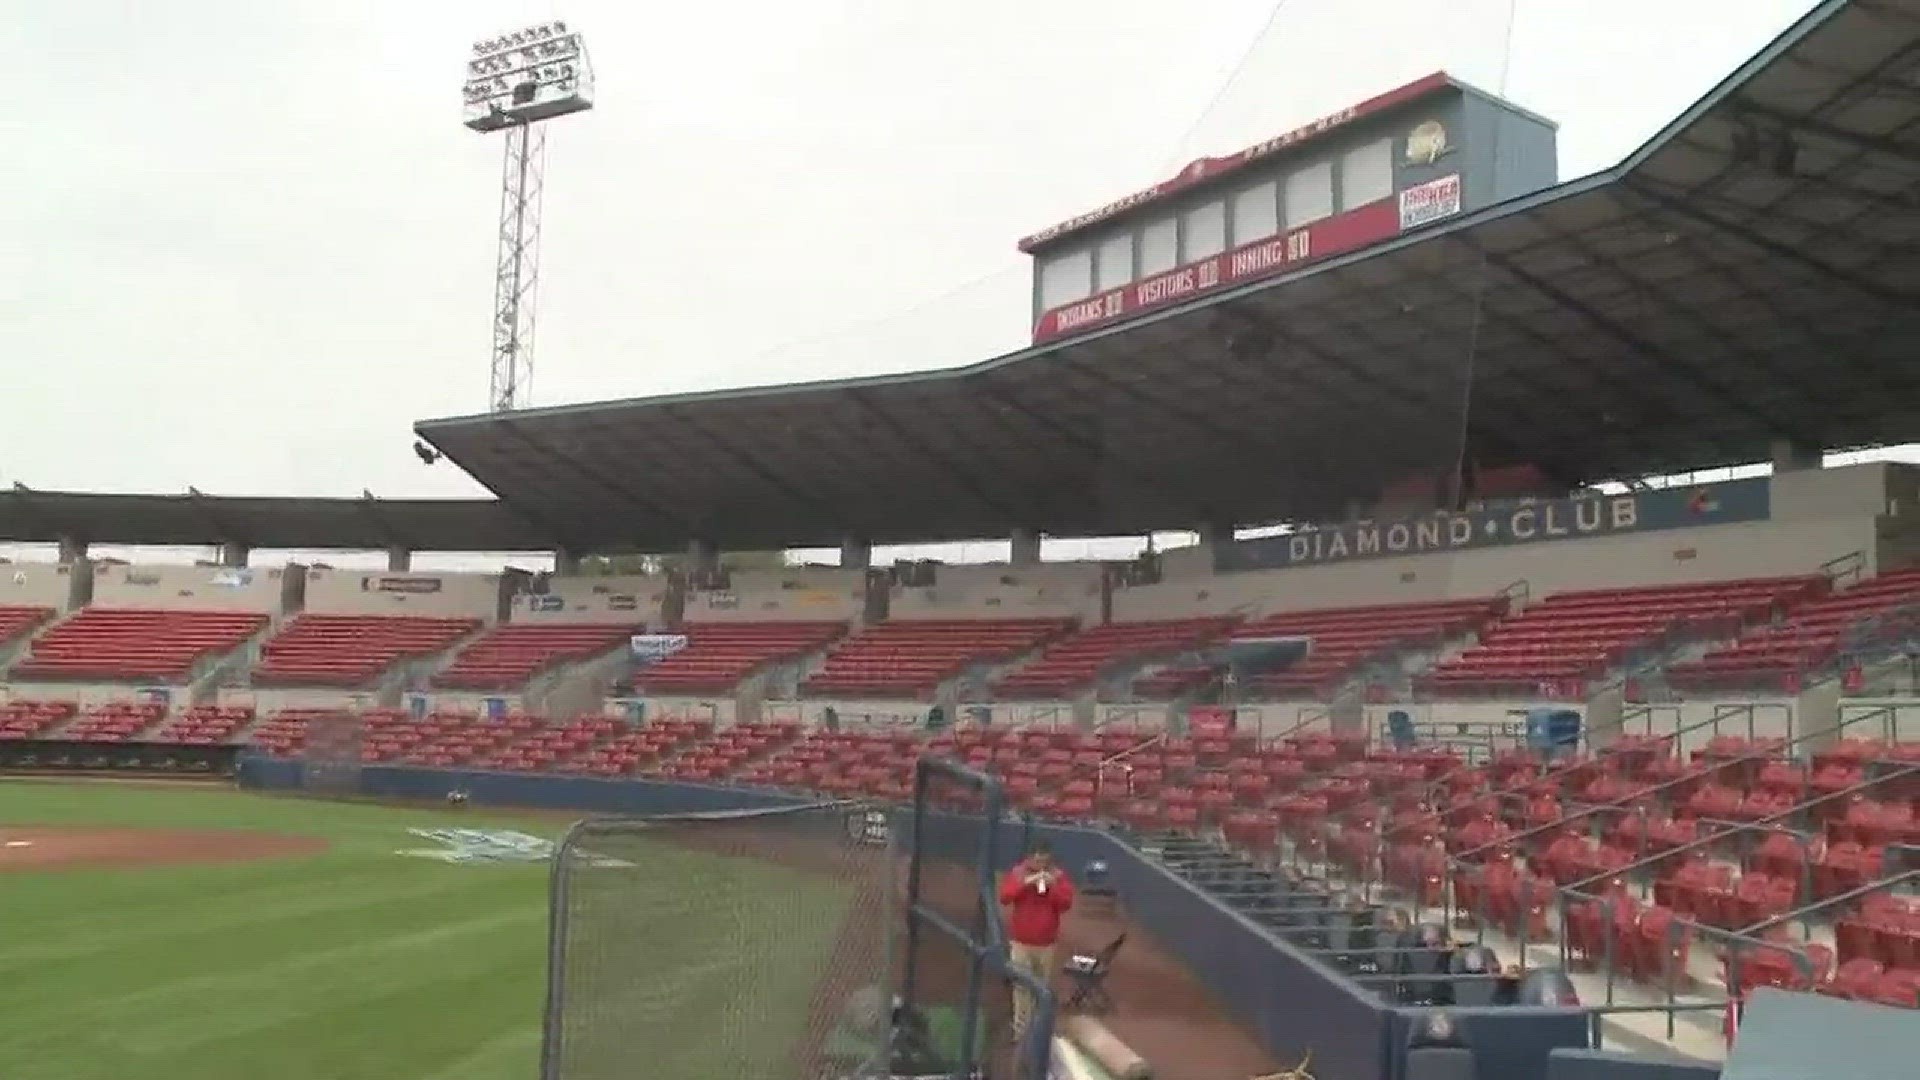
{"points": [[472, 846], [1427, 143]]}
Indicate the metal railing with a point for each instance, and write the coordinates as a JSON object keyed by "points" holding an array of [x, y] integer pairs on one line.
{"points": [[1458, 863]]}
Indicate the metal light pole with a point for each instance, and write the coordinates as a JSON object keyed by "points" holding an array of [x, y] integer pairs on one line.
{"points": [[514, 82]]}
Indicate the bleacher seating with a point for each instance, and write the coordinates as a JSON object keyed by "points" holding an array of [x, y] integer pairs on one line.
{"points": [[115, 721], [16, 620], [284, 734], [33, 719], [720, 654], [1346, 639], [351, 650], [129, 644], [204, 725], [910, 657], [1555, 647], [508, 655], [1776, 654], [1073, 662]]}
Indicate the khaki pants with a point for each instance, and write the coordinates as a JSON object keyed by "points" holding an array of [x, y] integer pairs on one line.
{"points": [[1038, 961]]}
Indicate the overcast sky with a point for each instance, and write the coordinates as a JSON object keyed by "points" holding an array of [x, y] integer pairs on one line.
{"points": [[249, 243]]}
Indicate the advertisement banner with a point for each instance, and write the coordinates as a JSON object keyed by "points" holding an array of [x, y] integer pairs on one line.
{"points": [[650, 647], [1425, 203], [623, 602], [397, 584], [1584, 517], [546, 603]]}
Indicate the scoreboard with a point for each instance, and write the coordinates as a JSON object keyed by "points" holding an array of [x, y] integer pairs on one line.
{"points": [[1407, 158]]}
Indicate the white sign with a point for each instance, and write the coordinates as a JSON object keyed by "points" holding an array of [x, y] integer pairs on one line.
{"points": [[651, 647], [1429, 202], [868, 827]]}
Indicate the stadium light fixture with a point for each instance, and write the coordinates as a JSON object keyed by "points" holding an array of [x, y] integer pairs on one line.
{"points": [[514, 82]]}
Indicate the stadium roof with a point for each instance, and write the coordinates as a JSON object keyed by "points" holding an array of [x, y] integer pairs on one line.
{"points": [[1744, 279], [29, 516]]}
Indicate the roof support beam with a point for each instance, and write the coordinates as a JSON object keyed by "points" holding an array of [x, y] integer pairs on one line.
{"points": [[967, 481], [1177, 490], [751, 464], [625, 491], [1875, 143], [1676, 208], [1620, 333]]}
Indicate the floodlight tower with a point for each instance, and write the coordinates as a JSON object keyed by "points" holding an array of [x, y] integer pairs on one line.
{"points": [[514, 82]]}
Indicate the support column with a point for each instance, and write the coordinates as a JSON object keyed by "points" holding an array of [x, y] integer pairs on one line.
{"points": [[399, 559], [234, 553], [72, 550], [1795, 457], [855, 554], [1026, 547], [1214, 536], [565, 563], [703, 558]]}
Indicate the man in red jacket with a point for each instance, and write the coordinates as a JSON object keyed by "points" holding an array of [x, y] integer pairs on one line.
{"points": [[1036, 894]]}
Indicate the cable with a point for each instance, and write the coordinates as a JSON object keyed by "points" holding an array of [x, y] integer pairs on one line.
{"points": [[1233, 76], [1477, 312]]}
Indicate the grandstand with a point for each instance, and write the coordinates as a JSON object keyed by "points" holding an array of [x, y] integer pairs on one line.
{"points": [[718, 656], [1573, 638], [1073, 663], [351, 650], [134, 644], [1664, 735], [910, 658], [1778, 654], [507, 656]]}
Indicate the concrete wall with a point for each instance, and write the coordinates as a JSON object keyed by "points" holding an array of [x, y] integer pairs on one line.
{"points": [[34, 585], [722, 710], [87, 695], [271, 700], [359, 592], [211, 588], [1005, 592], [855, 711], [798, 594], [1817, 516], [634, 599]]}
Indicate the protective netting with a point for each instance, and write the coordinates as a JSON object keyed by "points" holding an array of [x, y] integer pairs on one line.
{"points": [[955, 840], [330, 759], [722, 947]]}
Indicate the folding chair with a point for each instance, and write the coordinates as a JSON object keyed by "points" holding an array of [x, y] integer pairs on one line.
{"points": [[1089, 977]]}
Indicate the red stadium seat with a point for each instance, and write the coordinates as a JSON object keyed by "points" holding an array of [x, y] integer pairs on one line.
{"points": [[135, 644]]}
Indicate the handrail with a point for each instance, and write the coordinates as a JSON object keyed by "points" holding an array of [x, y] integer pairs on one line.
{"points": [[1100, 774], [1800, 913], [1439, 784], [1792, 811], [1764, 754], [1519, 587], [1738, 942], [1849, 567]]}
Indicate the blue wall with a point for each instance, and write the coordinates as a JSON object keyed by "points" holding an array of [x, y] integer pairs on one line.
{"points": [[1290, 999]]}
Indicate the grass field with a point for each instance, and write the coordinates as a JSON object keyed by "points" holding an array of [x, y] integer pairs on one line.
{"points": [[359, 964]]}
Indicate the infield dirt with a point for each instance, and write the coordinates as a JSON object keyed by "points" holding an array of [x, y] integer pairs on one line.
{"points": [[59, 847]]}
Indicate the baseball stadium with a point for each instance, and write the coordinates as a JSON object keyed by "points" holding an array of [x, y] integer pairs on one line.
{"points": [[1492, 651]]}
